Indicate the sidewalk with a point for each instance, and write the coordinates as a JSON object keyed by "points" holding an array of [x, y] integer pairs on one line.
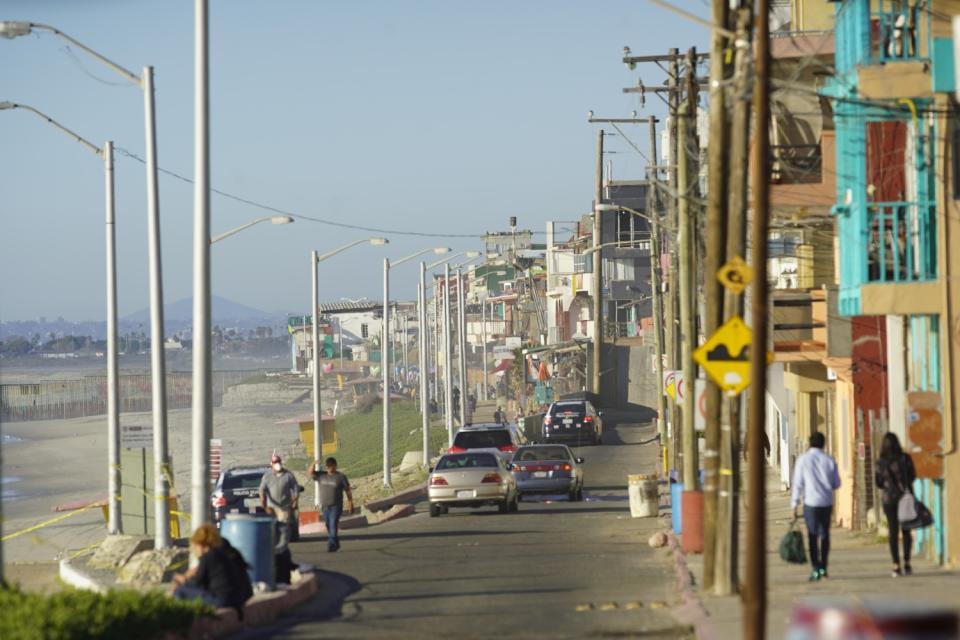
{"points": [[859, 566]]}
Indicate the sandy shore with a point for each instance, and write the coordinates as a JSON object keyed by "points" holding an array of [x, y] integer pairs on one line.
{"points": [[54, 462]]}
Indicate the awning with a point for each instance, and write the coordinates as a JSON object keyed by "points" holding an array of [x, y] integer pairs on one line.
{"points": [[503, 366]]}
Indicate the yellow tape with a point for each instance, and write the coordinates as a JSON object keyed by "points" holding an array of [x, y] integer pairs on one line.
{"points": [[70, 514], [726, 472]]}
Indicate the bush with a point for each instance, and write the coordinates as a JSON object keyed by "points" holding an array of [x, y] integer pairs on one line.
{"points": [[75, 614]]}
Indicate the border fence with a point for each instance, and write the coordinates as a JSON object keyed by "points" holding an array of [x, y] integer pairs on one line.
{"points": [[87, 396]]}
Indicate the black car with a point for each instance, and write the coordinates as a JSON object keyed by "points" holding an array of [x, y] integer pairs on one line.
{"points": [[573, 422], [238, 491]]}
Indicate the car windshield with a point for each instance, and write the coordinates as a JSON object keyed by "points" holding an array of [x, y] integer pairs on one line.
{"points": [[466, 461], [486, 439], [561, 408], [533, 454], [242, 480]]}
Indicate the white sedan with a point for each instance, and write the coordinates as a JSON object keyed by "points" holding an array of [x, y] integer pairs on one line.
{"points": [[471, 479]]}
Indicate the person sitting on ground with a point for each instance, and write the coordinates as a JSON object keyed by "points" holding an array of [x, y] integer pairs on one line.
{"points": [[220, 578]]}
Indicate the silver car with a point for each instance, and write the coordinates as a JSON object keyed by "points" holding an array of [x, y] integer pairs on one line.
{"points": [[471, 479]]}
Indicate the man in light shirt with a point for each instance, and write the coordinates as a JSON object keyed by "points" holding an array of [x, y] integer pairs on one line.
{"points": [[815, 478]]}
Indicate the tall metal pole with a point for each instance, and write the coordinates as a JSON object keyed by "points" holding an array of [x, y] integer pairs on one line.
{"points": [[462, 340], [202, 424], [447, 355], [161, 459], [483, 320], [436, 340], [657, 312], [715, 256], [114, 524], [672, 333], [317, 398], [755, 600], [340, 340], [597, 270], [688, 336], [424, 333], [385, 368]]}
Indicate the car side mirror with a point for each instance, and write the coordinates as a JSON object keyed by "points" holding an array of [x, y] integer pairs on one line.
{"points": [[430, 469], [300, 488], [600, 413], [579, 460]]}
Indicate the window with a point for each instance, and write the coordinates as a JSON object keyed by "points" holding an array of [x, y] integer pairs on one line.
{"points": [[364, 331]]}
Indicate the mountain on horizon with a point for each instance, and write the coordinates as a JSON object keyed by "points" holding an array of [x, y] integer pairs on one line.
{"points": [[221, 309]]}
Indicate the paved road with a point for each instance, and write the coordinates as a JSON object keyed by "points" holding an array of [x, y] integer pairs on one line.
{"points": [[480, 574]]}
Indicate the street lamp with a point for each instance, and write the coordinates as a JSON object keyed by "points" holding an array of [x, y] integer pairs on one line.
{"points": [[14, 29], [316, 259], [385, 353], [114, 524], [271, 219]]}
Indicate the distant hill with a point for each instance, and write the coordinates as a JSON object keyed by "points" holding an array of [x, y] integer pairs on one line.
{"points": [[221, 310]]}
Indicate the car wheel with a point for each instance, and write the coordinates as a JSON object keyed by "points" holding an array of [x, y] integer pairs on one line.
{"points": [[444, 509], [572, 494], [580, 493], [504, 507], [515, 505], [434, 510]]}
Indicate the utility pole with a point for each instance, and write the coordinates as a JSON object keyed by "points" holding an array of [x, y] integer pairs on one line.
{"points": [[726, 575], [712, 293], [483, 316], [447, 356], [597, 271], [755, 599], [462, 341], [657, 311], [385, 364], [686, 121], [317, 398], [673, 291]]}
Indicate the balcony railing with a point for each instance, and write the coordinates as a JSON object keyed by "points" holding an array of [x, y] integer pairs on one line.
{"points": [[902, 242], [897, 35]]}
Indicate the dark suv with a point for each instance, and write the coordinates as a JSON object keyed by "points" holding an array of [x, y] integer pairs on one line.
{"points": [[238, 491], [574, 422]]}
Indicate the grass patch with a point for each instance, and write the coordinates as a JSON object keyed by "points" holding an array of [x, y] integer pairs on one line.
{"points": [[361, 438], [75, 614]]}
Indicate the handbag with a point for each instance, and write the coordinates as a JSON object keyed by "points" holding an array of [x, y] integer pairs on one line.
{"points": [[924, 518], [791, 546], [907, 507]]}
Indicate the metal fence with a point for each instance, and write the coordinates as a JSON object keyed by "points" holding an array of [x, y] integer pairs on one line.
{"points": [[87, 396]]}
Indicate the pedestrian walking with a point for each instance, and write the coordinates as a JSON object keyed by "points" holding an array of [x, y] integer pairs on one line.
{"points": [[815, 478], [280, 496], [333, 485], [895, 475], [498, 415]]}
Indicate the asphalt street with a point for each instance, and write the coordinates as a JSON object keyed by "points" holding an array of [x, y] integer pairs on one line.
{"points": [[554, 570]]}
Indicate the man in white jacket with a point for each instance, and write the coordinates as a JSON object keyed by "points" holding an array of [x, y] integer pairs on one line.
{"points": [[815, 478]]}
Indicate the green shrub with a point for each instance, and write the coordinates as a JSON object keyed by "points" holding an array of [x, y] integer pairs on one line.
{"points": [[75, 614]]}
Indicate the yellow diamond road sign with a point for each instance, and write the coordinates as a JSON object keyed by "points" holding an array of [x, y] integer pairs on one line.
{"points": [[726, 356], [735, 275]]}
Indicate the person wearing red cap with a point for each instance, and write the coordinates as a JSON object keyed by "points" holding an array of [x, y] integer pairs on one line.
{"points": [[279, 492]]}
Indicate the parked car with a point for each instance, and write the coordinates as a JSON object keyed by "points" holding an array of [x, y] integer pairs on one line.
{"points": [[573, 421], [472, 479], [548, 469], [238, 491], [502, 439]]}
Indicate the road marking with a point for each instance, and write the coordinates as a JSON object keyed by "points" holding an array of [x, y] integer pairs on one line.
{"points": [[608, 606], [659, 604], [587, 606], [633, 605]]}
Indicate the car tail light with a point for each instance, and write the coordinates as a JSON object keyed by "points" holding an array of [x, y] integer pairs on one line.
{"points": [[519, 467], [492, 478], [438, 481], [508, 447], [219, 501], [588, 419], [456, 449], [566, 467]]}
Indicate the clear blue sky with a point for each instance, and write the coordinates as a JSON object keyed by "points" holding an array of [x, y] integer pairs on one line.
{"points": [[434, 116]]}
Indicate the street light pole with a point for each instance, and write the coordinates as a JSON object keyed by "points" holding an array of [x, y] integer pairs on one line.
{"points": [[385, 370], [483, 330], [202, 416], [447, 356], [114, 523], [424, 386], [597, 272], [317, 400], [272, 219], [462, 339]]}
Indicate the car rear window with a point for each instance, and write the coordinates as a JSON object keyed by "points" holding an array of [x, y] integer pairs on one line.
{"points": [[466, 461], [486, 439], [242, 481], [542, 453], [576, 408]]}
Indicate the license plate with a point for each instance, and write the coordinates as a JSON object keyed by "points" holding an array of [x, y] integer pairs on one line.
{"points": [[470, 493], [251, 503], [539, 474], [568, 421]]}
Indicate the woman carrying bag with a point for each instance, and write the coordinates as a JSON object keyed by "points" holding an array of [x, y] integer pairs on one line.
{"points": [[895, 475]]}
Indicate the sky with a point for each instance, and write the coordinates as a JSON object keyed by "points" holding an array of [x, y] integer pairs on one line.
{"points": [[428, 116]]}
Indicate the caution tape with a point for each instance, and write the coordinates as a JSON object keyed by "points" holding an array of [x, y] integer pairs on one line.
{"points": [[47, 523]]}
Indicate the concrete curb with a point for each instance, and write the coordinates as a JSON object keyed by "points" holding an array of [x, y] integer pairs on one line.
{"points": [[79, 579], [690, 610], [413, 494]]}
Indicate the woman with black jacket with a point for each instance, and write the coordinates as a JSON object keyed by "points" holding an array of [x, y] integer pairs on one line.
{"points": [[895, 475]]}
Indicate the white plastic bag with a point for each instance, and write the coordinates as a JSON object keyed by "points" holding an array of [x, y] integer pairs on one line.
{"points": [[907, 507]]}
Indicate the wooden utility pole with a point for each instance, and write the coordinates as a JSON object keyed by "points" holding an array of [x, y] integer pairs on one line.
{"points": [[755, 600], [673, 338], [598, 270], [716, 233], [726, 575], [653, 211]]}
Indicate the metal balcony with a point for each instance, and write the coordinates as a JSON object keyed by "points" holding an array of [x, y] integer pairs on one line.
{"points": [[902, 241]]}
